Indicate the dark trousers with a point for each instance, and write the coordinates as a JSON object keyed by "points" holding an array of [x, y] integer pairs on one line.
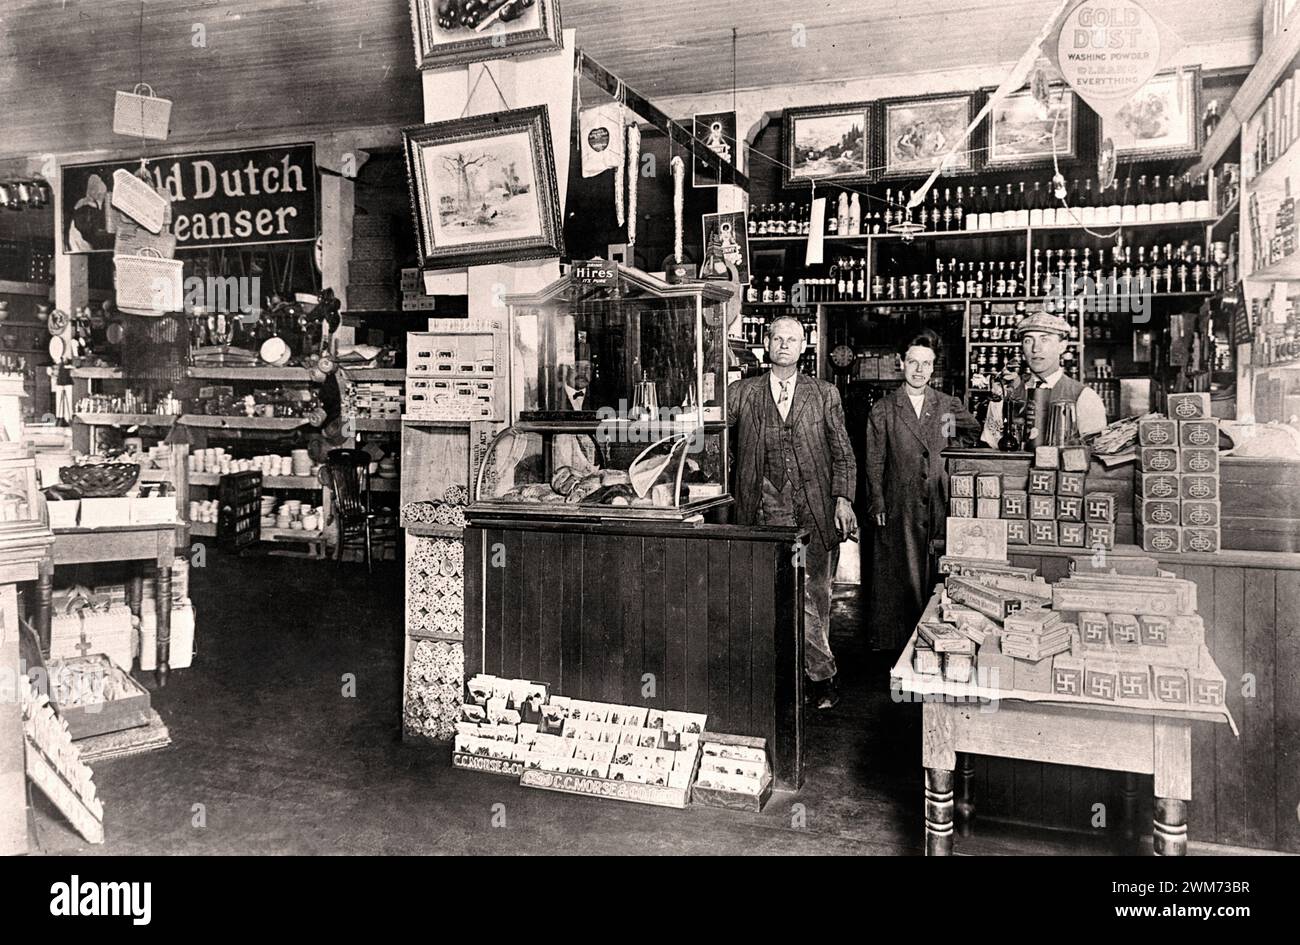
{"points": [[789, 507]]}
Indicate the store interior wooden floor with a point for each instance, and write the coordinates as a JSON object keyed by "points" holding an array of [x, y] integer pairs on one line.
{"points": [[282, 762]]}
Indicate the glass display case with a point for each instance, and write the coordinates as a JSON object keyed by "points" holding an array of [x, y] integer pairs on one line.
{"points": [[618, 395]]}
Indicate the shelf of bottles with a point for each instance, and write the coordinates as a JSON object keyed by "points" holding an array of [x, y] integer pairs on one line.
{"points": [[1141, 200], [754, 322]]}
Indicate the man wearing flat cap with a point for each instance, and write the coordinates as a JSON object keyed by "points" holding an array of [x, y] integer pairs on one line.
{"points": [[1043, 338]]}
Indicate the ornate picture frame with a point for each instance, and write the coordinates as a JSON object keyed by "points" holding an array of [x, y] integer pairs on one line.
{"points": [[1158, 122], [1018, 137], [483, 189], [458, 36], [917, 131], [828, 144]]}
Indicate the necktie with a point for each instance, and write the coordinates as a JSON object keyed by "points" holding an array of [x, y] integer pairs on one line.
{"points": [[577, 398], [785, 395]]}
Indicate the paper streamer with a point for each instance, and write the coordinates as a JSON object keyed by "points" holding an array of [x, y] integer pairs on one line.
{"points": [[633, 173], [1014, 80]]}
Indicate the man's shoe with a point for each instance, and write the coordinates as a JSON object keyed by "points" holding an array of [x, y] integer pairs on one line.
{"points": [[812, 691], [829, 696]]}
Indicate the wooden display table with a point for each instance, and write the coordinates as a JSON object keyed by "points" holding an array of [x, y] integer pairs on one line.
{"points": [[150, 543], [1036, 726]]}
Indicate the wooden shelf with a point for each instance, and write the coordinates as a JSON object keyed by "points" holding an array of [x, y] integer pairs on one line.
{"points": [[436, 636], [292, 534], [449, 424], [38, 289], [201, 372], [993, 231], [100, 373], [435, 531], [373, 425], [242, 423], [389, 375], [268, 482], [126, 419], [1255, 90], [1231, 213], [1286, 269], [384, 485]]}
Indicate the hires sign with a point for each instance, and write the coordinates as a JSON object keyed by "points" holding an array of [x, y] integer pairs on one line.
{"points": [[219, 198]]}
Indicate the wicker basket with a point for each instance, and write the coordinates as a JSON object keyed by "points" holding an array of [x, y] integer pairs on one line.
{"points": [[138, 200], [148, 284], [101, 480], [141, 116]]}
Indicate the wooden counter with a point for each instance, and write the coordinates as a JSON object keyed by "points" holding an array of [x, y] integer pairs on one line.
{"points": [[703, 618]]}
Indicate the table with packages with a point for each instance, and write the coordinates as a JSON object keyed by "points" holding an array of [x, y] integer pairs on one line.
{"points": [[147, 543], [982, 718]]}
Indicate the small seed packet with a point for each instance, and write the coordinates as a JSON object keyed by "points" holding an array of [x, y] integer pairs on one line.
{"points": [[654, 718], [648, 737], [473, 713]]}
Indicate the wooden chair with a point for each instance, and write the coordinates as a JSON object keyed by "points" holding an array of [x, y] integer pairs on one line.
{"points": [[346, 473]]}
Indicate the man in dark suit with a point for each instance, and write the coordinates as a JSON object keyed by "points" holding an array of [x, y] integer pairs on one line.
{"points": [[794, 466], [906, 435]]}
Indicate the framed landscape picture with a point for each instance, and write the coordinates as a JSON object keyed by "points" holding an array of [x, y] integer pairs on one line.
{"points": [[919, 132], [1020, 135], [483, 189], [828, 143], [454, 32], [1161, 121]]}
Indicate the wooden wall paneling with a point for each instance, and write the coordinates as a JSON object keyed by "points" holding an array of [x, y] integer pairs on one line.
{"points": [[550, 610], [653, 606], [1287, 711], [513, 578], [696, 630], [1201, 812], [719, 641], [1258, 747], [1028, 790], [473, 569], [763, 588], [1229, 655], [678, 609], [1000, 796], [1056, 794], [532, 549], [788, 658], [494, 584], [633, 586], [740, 646], [571, 616], [596, 608]]}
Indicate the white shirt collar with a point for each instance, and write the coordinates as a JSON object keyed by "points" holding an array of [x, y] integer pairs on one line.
{"points": [[1050, 381], [777, 382]]}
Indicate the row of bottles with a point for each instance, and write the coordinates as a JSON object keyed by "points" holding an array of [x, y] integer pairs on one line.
{"points": [[1138, 199], [770, 292], [754, 327]]}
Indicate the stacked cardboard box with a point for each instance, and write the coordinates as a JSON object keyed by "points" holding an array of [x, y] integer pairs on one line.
{"points": [[1121, 638], [1057, 509], [414, 298], [1177, 497]]}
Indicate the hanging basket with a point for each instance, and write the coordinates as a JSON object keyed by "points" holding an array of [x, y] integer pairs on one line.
{"points": [[141, 116], [148, 284], [139, 201]]}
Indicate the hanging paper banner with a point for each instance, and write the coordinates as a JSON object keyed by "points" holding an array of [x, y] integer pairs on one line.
{"points": [[599, 128], [1108, 49]]}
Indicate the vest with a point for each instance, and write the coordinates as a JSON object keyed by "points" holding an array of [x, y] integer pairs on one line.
{"points": [[778, 444], [1066, 391]]}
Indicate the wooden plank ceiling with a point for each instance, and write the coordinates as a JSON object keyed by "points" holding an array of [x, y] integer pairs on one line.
{"points": [[298, 67]]}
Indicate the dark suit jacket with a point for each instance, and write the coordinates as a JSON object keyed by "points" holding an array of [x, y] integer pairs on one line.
{"points": [[822, 450], [908, 481]]}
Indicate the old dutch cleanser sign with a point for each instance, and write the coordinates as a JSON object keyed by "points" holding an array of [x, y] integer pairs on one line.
{"points": [[219, 198]]}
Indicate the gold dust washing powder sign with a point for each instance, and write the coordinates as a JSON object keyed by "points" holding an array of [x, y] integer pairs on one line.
{"points": [[1107, 50], [219, 198]]}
